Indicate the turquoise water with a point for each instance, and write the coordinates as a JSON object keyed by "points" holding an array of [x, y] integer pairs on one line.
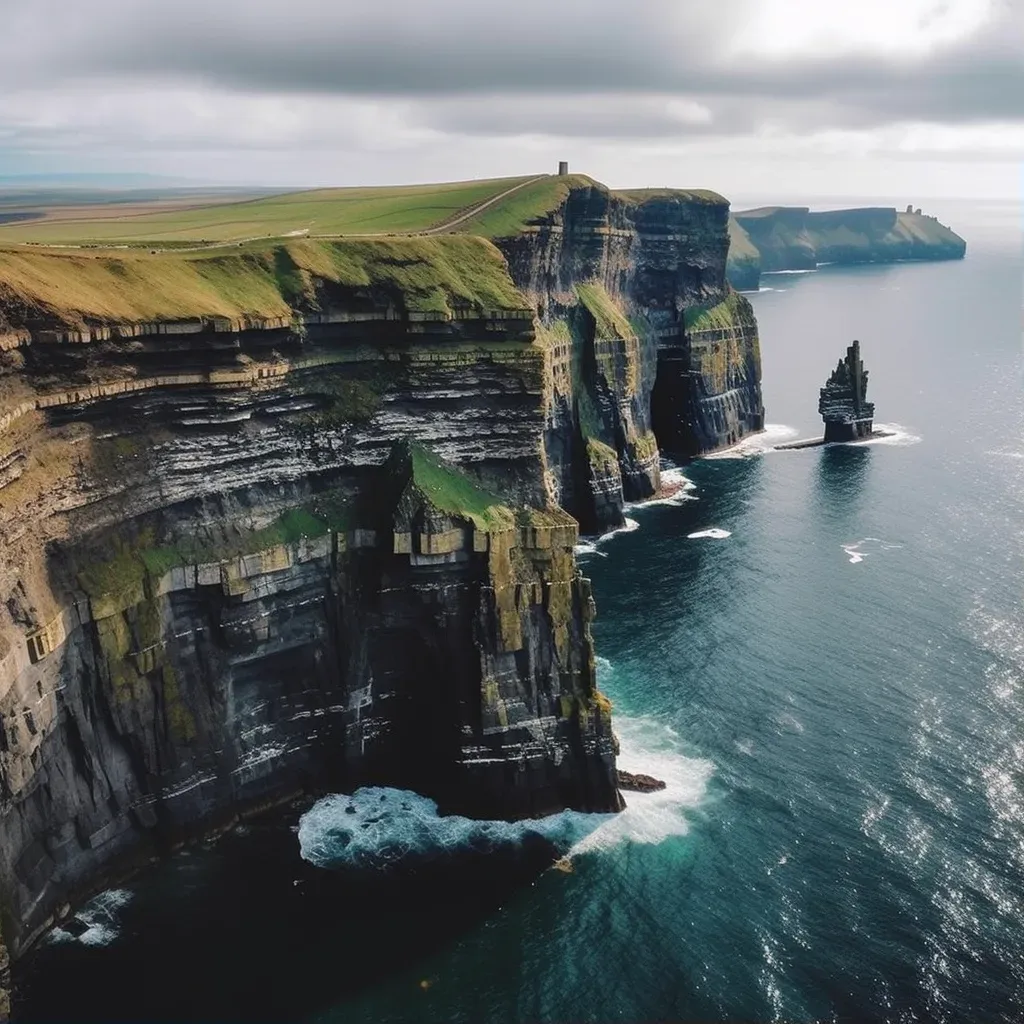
{"points": [[834, 692]]}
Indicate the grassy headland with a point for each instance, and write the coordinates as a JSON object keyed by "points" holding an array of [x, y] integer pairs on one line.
{"points": [[440, 275]]}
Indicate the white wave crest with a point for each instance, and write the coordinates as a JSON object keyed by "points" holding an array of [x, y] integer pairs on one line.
{"points": [[715, 533], [856, 553], [650, 747], [590, 545], [756, 444], [98, 920], [676, 488], [376, 827]]}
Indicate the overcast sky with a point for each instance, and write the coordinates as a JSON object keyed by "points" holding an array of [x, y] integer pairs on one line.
{"points": [[755, 98]]}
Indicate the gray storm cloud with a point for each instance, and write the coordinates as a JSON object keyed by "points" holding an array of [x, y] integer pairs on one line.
{"points": [[461, 62]]}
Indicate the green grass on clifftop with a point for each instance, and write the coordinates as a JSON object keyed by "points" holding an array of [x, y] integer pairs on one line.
{"points": [[690, 195], [328, 211], [517, 211], [421, 274]]}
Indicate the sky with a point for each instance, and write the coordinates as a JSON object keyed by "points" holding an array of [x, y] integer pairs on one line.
{"points": [[756, 98]]}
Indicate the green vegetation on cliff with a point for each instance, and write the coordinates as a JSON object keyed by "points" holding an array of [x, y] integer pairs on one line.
{"points": [[796, 238], [448, 489], [610, 321], [328, 211], [530, 203], [721, 316], [744, 262], [124, 570], [434, 275], [689, 195]]}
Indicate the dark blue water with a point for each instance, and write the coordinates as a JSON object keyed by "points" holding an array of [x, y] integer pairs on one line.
{"points": [[834, 693]]}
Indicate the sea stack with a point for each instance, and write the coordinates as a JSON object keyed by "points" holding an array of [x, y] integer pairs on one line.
{"points": [[843, 403]]}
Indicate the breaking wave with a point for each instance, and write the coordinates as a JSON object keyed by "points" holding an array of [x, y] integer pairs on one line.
{"points": [[591, 545], [715, 533], [676, 488], [97, 923], [898, 437], [756, 444], [376, 828]]}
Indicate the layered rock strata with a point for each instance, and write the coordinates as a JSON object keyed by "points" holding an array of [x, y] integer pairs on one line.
{"points": [[650, 346], [301, 518], [843, 403]]}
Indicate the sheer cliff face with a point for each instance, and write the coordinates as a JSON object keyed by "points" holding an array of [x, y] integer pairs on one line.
{"points": [[241, 564], [627, 287], [276, 522]]}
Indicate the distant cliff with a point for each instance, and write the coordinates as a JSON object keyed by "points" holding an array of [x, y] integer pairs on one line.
{"points": [[794, 238], [295, 516]]}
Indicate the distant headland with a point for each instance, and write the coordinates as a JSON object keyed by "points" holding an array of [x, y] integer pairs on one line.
{"points": [[773, 238]]}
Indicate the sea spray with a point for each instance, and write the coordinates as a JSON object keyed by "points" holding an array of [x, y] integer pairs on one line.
{"points": [[756, 444], [377, 828], [97, 923]]}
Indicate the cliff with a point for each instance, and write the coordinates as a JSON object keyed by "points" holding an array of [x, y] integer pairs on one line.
{"points": [[650, 347], [795, 238], [297, 516]]}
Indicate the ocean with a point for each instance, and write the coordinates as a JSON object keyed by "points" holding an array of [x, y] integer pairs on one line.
{"points": [[820, 651]]}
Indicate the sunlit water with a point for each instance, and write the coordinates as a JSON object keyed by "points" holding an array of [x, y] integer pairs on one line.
{"points": [[820, 651]]}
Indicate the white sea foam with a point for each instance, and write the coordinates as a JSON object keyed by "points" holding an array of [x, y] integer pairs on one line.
{"points": [[714, 532], [756, 444], [810, 270], [590, 546], [100, 918], [672, 479], [376, 827], [897, 436], [856, 551]]}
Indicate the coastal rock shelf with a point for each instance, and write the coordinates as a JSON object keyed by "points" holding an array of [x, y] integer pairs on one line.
{"points": [[301, 517]]}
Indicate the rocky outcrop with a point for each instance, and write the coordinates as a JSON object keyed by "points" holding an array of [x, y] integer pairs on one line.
{"points": [[843, 403], [650, 346], [795, 238]]}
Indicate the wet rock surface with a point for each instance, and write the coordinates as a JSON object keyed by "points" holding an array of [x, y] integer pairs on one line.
{"points": [[639, 783]]}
